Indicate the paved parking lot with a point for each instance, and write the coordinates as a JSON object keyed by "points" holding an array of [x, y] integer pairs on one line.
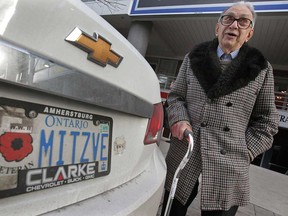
{"points": [[269, 193], [250, 210]]}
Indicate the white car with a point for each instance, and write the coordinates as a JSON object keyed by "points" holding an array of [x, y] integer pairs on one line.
{"points": [[80, 115]]}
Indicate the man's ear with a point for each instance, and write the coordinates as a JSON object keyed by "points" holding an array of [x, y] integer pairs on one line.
{"points": [[250, 34], [216, 29]]}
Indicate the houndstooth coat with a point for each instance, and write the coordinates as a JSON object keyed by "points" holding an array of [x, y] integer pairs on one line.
{"points": [[233, 115]]}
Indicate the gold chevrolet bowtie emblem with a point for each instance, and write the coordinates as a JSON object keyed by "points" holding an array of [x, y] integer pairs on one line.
{"points": [[97, 47]]}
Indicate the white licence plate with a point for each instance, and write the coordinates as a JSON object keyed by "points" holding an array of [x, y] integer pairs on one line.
{"points": [[42, 146]]}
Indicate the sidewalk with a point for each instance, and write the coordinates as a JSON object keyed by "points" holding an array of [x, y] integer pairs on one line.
{"points": [[250, 210], [268, 193]]}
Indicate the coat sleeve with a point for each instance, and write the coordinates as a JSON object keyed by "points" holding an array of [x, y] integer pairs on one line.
{"points": [[177, 110], [264, 119]]}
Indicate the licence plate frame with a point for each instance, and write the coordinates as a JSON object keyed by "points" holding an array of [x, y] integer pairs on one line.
{"points": [[44, 146]]}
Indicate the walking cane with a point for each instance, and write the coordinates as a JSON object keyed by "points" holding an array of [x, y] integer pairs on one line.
{"points": [[181, 166]]}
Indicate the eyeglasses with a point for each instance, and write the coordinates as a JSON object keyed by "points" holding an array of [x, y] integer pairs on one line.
{"points": [[242, 23]]}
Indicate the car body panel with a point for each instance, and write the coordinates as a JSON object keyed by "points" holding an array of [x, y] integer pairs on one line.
{"points": [[32, 29], [35, 32]]}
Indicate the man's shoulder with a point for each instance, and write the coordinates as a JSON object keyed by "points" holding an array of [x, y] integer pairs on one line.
{"points": [[202, 48], [254, 56]]}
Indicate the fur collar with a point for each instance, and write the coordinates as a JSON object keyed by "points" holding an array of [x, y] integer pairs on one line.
{"points": [[243, 69]]}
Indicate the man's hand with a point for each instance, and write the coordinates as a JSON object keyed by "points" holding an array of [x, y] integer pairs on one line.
{"points": [[178, 129]]}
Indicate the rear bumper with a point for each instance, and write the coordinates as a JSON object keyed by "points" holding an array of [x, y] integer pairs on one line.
{"points": [[140, 196]]}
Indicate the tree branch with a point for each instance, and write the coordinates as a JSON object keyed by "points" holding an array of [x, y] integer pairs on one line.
{"points": [[112, 5]]}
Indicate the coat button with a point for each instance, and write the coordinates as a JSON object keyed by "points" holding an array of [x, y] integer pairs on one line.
{"points": [[229, 104], [223, 152], [226, 129], [210, 101], [203, 124]]}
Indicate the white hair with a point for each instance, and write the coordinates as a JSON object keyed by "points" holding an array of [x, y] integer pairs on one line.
{"points": [[249, 5]]}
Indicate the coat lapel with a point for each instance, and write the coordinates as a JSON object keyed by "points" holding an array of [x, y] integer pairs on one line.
{"points": [[243, 69]]}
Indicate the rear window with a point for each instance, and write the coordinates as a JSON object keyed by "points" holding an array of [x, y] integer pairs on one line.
{"points": [[20, 66]]}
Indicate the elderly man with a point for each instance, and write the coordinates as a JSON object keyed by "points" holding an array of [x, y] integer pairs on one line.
{"points": [[224, 93]]}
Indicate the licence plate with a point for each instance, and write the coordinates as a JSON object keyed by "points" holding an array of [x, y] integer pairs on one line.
{"points": [[43, 146]]}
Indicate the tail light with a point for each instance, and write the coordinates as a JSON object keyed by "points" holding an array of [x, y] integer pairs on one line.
{"points": [[154, 127]]}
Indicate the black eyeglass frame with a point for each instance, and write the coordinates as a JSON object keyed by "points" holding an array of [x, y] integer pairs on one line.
{"points": [[226, 15]]}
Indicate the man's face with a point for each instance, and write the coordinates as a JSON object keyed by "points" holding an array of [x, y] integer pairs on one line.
{"points": [[231, 37]]}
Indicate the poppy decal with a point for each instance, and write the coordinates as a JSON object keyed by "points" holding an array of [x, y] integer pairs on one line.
{"points": [[15, 146]]}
